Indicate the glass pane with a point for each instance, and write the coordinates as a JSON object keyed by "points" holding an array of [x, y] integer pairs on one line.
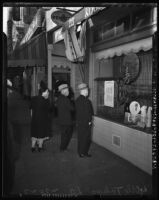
{"points": [[122, 25], [141, 19], [97, 35], [108, 30]]}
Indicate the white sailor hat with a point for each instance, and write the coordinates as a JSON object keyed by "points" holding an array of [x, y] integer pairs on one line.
{"points": [[62, 86], [82, 86]]}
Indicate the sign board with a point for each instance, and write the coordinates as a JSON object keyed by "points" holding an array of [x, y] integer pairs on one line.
{"points": [[109, 93], [59, 17]]}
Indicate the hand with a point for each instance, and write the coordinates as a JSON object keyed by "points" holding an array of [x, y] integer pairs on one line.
{"points": [[90, 123]]}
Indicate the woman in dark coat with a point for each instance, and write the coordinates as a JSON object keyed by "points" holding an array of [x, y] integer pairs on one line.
{"points": [[40, 123]]}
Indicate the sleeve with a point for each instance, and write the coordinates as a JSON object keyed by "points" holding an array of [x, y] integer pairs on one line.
{"points": [[91, 108]]}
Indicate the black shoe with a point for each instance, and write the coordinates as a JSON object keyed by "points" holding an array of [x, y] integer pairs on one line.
{"points": [[81, 155], [33, 149], [88, 155]]}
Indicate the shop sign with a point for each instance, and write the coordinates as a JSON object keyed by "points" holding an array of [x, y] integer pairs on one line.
{"points": [[92, 10], [58, 35], [109, 93], [60, 17]]}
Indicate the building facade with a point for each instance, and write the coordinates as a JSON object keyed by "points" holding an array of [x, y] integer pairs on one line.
{"points": [[119, 69]]}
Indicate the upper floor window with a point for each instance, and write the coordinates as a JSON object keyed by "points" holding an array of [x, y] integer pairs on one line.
{"points": [[108, 31], [141, 18], [122, 25]]}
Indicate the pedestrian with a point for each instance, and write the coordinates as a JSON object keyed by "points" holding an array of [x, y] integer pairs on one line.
{"points": [[64, 108], [10, 147], [84, 113], [40, 113]]}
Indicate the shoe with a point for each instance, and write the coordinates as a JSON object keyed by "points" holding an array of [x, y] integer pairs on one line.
{"points": [[33, 149], [81, 155], [88, 155]]}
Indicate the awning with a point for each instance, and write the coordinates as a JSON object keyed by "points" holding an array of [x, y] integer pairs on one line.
{"points": [[34, 52], [26, 62], [62, 63], [144, 44]]}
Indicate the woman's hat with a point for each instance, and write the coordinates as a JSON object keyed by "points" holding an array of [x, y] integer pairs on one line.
{"points": [[43, 86], [62, 86], [82, 86]]}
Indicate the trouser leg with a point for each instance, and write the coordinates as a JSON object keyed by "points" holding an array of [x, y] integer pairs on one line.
{"points": [[84, 139], [68, 136], [81, 139], [87, 140], [63, 130]]}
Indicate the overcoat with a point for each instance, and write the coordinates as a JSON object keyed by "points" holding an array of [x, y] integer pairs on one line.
{"points": [[84, 110], [40, 122], [64, 108], [84, 113]]}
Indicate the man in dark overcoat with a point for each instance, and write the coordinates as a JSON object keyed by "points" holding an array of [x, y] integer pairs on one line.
{"points": [[84, 113], [64, 108]]}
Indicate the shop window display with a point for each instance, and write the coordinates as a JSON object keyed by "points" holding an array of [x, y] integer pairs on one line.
{"points": [[132, 91]]}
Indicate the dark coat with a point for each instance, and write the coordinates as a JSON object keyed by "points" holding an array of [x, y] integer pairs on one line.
{"points": [[40, 123], [64, 108], [84, 110]]}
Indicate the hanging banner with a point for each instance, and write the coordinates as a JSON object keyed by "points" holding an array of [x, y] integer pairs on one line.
{"points": [[73, 50], [82, 39], [109, 93], [69, 50]]}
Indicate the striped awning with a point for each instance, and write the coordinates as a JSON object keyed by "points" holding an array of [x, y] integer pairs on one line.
{"points": [[136, 46], [26, 62]]}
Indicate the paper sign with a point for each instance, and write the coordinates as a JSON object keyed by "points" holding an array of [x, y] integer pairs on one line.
{"points": [[109, 93]]}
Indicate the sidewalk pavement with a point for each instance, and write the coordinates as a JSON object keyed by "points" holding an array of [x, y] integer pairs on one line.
{"points": [[52, 173]]}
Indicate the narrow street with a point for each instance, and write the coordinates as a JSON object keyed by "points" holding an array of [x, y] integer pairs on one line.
{"points": [[52, 173]]}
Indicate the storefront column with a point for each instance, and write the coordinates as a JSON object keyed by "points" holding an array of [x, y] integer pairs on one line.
{"points": [[91, 79], [49, 49]]}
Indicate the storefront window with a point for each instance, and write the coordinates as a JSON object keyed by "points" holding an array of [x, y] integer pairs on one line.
{"points": [[130, 22], [123, 94], [122, 25], [141, 19], [108, 31], [97, 36]]}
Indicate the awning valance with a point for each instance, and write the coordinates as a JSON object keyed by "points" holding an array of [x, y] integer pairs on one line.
{"points": [[26, 62], [136, 46]]}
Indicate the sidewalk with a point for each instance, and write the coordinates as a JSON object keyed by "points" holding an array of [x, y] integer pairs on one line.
{"points": [[51, 173]]}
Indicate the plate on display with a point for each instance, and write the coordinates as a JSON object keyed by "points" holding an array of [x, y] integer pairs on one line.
{"points": [[134, 107]]}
